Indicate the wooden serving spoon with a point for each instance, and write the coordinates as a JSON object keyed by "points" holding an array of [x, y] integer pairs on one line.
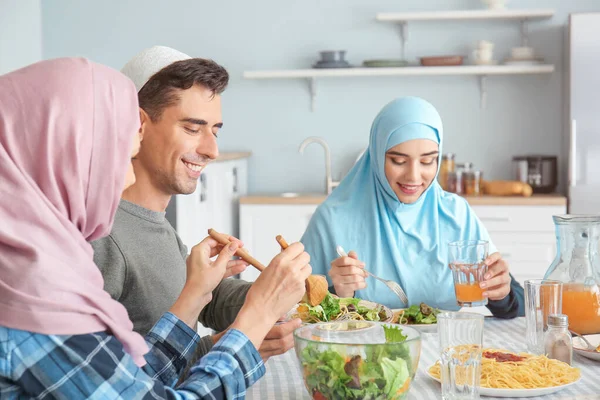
{"points": [[316, 285], [242, 253]]}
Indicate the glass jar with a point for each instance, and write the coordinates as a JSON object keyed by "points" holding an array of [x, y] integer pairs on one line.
{"points": [[577, 266], [558, 342], [472, 183], [455, 182], [447, 166]]}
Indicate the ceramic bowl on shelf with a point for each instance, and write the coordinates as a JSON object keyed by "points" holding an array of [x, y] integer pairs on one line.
{"points": [[332, 59], [333, 64], [330, 56], [522, 53]]}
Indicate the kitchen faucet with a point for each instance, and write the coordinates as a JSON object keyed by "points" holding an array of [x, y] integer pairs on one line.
{"points": [[329, 182]]}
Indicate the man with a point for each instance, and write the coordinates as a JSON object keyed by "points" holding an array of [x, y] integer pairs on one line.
{"points": [[143, 260]]}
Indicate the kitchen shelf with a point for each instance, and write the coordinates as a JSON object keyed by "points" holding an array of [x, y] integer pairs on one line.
{"points": [[475, 70], [465, 15], [523, 16], [402, 71]]}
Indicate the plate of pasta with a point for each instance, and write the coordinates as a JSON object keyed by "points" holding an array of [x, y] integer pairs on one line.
{"points": [[508, 374]]}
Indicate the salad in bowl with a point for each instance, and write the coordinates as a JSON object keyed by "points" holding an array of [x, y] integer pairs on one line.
{"points": [[343, 360]]}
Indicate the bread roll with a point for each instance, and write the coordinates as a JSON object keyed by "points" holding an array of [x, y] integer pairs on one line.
{"points": [[316, 290], [507, 188]]}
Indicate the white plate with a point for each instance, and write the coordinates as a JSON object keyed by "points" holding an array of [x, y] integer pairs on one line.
{"points": [[515, 392], [485, 62], [515, 61], [421, 327], [579, 347]]}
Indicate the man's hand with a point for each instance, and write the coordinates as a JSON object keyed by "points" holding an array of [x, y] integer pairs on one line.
{"points": [[279, 339]]}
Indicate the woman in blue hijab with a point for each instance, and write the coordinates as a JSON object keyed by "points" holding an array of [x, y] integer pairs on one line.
{"points": [[392, 212]]}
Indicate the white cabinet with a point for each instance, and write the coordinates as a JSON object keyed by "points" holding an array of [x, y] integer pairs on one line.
{"points": [[261, 223], [214, 204], [227, 182], [524, 235]]}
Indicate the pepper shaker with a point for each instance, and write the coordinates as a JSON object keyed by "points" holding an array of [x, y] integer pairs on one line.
{"points": [[558, 342]]}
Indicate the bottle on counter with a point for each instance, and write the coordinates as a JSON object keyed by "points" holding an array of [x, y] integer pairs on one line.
{"points": [[558, 342], [446, 167]]}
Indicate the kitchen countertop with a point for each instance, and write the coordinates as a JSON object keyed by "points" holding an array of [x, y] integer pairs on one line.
{"points": [[309, 199], [229, 156]]}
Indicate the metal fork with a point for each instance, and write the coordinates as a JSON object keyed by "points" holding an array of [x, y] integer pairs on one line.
{"points": [[394, 287], [587, 343]]}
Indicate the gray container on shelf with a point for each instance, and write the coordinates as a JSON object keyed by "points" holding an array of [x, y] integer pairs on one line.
{"points": [[332, 59], [329, 56]]}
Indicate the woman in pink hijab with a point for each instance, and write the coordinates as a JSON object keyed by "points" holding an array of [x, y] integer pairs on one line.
{"points": [[66, 133]]}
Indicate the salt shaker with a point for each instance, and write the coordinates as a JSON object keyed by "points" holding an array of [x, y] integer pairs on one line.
{"points": [[558, 342]]}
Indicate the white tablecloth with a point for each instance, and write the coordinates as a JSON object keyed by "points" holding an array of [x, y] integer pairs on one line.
{"points": [[283, 379]]}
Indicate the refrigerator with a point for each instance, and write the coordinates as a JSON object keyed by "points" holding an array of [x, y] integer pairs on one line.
{"points": [[584, 113]]}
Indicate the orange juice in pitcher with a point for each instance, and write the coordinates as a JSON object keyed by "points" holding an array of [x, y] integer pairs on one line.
{"points": [[582, 305], [577, 266]]}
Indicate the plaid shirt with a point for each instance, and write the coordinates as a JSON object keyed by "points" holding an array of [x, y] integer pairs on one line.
{"points": [[94, 366]]}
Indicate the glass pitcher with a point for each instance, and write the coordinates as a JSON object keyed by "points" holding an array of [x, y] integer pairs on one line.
{"points": [[577, 266]]}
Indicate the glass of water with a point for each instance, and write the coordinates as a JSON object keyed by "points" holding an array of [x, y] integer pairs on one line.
{"points": [[543, 297], [467, 262], [461, 341]]}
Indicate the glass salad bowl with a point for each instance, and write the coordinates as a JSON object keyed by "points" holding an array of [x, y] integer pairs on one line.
{"points": [[357, 359]]}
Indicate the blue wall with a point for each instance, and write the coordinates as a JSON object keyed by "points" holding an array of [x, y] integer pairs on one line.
{"points": [[20, 33], [272, 117]]}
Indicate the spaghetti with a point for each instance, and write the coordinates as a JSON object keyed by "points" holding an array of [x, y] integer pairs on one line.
{"points": [[501, 369]]}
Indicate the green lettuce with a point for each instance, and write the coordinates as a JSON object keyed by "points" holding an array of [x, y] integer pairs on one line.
{"points": [[331, 307], [378, 376], [395, 373], [421, 314], [393, 334]]}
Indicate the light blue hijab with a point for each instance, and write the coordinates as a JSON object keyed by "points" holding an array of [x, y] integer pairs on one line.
{"points": [[407, 243]]}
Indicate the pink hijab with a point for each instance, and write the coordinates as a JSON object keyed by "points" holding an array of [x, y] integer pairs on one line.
{"points": [[66, 128]]}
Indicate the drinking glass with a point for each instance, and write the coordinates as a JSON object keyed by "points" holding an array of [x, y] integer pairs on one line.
{"points": [[461, 340], [467, 261], [542, 298]]}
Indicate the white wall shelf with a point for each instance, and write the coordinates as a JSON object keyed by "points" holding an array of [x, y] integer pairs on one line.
{"points": [[403, 71], [463, 15], [475, 70], [523, 16]]}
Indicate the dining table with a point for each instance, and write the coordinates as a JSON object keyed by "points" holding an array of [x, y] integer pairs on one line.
{"points": [[283, 379]]}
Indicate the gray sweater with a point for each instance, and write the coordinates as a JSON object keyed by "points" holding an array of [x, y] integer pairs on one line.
{"points": [[143, 262]]}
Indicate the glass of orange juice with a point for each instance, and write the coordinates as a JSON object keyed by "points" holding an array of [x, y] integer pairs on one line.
{"points": [[467, 262]]}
